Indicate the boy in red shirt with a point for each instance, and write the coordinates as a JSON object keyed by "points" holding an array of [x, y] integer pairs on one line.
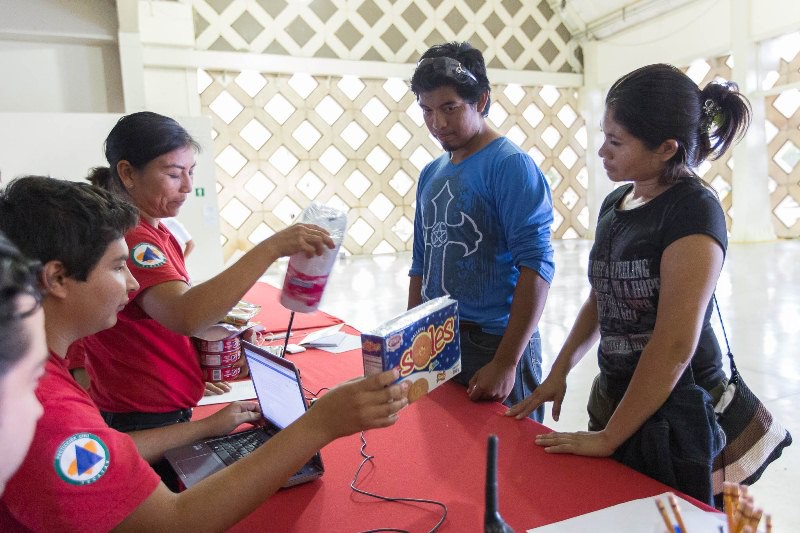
{"points": [[82, 475]]}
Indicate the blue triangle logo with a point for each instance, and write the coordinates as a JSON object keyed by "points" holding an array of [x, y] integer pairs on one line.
{"points": [[149, 255], [85, 459]]}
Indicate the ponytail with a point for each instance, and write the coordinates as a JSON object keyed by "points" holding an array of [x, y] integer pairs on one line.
{"points": [[105, 178], [726, 117], [659, 102]]}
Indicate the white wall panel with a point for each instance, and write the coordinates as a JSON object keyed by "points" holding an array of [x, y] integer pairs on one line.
{"points": [[67, 145]]}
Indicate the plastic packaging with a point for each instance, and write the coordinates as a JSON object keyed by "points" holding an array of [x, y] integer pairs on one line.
{"points": [[241, 313], [306, 277]]}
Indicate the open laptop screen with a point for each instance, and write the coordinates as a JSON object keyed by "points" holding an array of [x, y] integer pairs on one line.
{"points": [[279, 393]]}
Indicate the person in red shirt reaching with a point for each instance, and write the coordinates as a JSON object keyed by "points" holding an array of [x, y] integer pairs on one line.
{"points": [[80, 474]]}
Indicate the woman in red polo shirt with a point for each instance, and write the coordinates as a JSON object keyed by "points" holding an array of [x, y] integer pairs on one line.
{"points": [[144, 371]]}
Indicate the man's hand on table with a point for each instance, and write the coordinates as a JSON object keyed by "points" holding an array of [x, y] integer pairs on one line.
{"points": [[493, 381]]}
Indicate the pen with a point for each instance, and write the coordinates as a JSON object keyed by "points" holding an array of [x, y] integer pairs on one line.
{"points": [[673, 502], [737, 515], [756, 518], [664, 515], [743, 517], [730, 495]]}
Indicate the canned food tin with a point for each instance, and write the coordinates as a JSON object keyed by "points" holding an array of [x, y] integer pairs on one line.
{"points": [[228, 344], [220, 359], [224, 373]]}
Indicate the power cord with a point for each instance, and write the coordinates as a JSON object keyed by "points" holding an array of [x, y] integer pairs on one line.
{"points": [[368, 458], [313, 395]]}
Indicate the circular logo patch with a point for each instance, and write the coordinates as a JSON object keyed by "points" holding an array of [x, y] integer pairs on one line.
{"points": [[147, 255], [82, 459]]}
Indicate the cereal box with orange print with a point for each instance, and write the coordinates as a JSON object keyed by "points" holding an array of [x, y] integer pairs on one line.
{"points": [[422, 342]]}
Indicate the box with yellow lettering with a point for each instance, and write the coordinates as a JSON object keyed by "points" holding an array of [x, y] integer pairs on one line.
{"points": [[423, 342]]}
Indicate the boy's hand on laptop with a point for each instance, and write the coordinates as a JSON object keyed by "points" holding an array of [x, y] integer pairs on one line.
{"points": [[232, 416], [362, 403], [216, 387]]}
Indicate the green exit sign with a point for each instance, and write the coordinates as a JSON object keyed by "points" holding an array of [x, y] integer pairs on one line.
{"points": [[199, 191]]}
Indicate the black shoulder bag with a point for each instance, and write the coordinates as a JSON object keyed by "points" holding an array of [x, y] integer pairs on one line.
{"points": [[754, 437]]}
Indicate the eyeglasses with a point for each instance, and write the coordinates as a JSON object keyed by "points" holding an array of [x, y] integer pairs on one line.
{"points": [[450, 68], [16, 277]]}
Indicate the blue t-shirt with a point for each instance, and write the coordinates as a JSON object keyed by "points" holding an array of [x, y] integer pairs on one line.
{"points": [[476, 223]]}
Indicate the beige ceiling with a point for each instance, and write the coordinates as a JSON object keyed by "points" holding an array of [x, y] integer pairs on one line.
{"points": [[598, 19]]}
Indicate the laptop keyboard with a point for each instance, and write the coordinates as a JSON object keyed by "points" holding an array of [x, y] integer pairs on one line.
{"points": [[231, 448]]}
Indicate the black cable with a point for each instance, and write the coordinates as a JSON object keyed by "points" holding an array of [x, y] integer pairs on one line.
{"points": [[314, 395], [368, 458]]}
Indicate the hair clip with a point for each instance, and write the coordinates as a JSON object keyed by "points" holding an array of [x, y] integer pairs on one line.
{"points": [[711, 109], [712, 114]]}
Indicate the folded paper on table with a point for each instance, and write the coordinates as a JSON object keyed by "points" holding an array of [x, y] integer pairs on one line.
{"points": [[240, 390], [328, 337], [329, 341], [636, 516], [345, 344]]}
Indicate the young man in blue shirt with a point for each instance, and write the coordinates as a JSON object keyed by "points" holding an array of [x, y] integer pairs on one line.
{"points": [[481, 229]]}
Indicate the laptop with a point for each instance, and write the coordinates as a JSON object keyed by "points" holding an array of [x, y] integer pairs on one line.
{"points": [[280, 395]]}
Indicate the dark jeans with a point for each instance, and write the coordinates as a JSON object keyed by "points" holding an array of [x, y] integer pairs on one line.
{"points": [[127, 422], [677, 444], [478, 348]]}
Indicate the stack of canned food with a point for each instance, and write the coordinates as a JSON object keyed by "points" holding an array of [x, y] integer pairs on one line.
{"points": [[220, 348]]}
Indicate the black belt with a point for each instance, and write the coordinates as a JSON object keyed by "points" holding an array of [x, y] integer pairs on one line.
{"points": [[468, 326], [121, 421]]}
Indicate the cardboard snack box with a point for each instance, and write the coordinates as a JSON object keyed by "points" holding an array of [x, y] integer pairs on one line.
{"points": [[423, 342]]}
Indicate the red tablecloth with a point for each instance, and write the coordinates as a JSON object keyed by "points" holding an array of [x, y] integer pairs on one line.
{"points": [[437, 450], [275, 318]]}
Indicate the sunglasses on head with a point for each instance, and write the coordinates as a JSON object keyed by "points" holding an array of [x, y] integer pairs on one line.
{"points": [[448, 67]]}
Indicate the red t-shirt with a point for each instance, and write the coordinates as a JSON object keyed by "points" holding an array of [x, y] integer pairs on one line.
{"points": [[139, 365], [79, 475]]}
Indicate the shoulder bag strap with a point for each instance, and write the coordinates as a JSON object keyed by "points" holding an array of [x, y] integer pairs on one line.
{"points": [[734, 370]]}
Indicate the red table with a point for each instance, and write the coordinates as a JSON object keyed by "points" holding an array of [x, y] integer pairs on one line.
{"points": [[275, 318], [437, 451]]}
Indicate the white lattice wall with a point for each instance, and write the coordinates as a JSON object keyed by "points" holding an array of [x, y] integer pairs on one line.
{"points": [[359, 144], [783, 135], [514, 34], [717, 173]]}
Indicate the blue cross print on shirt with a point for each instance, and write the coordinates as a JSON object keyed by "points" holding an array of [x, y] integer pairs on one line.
{"points": [[437, 239]]}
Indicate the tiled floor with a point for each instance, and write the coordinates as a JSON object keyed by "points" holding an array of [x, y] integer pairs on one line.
{"points": [[760, 304]]}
